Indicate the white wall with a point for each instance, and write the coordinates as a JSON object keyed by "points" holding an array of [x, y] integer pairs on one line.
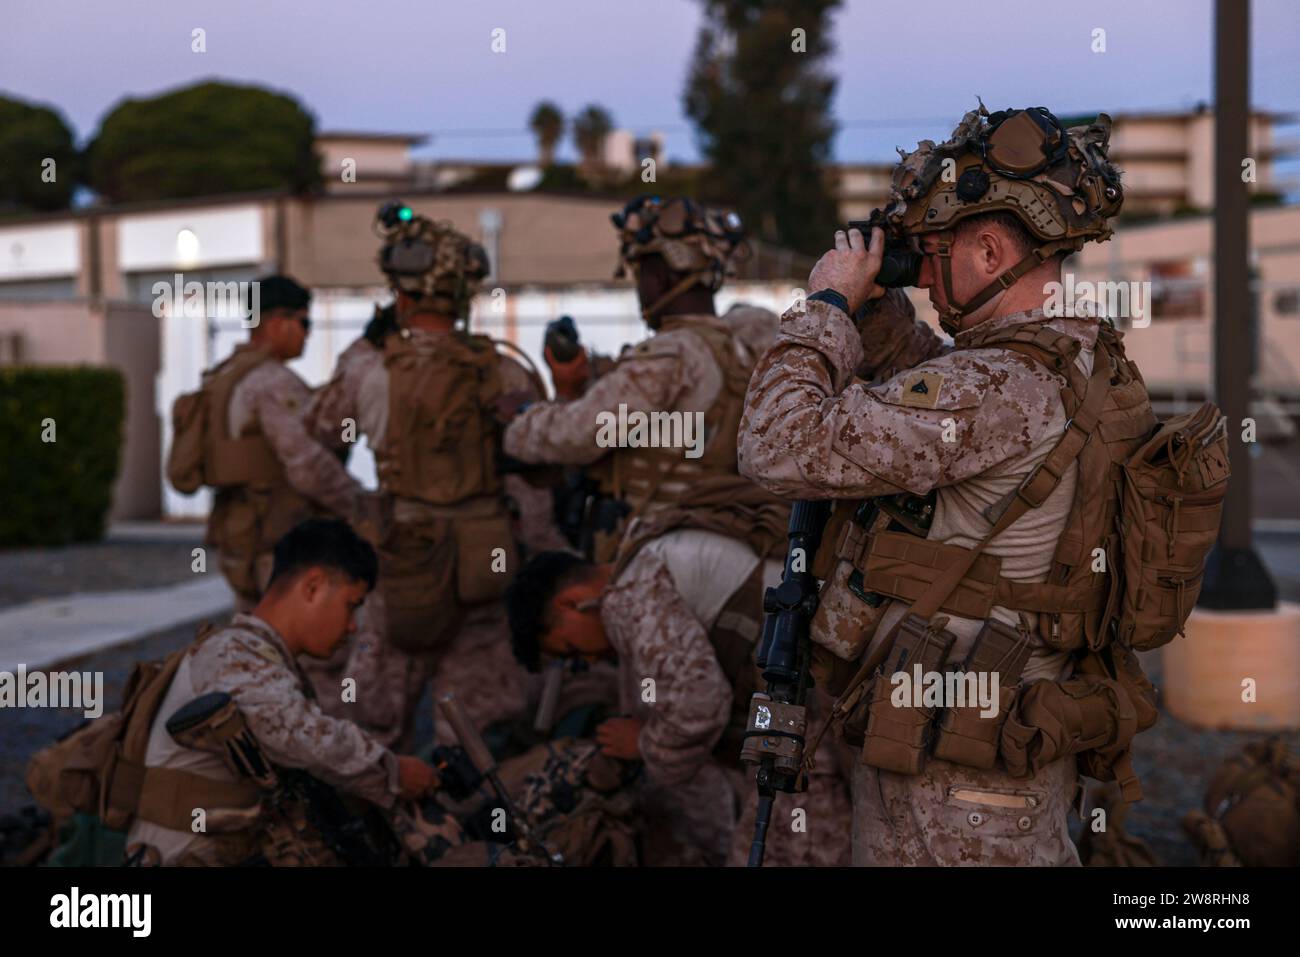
{"points": [[39, 252], [227, 235]]}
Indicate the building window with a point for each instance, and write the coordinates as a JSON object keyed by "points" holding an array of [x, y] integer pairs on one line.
{"points": [[1177, 292]]}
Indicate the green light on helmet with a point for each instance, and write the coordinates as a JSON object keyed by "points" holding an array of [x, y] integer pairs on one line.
{"points": [[405, 214]]}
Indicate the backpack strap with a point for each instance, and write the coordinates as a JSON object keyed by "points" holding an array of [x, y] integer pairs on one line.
{"points": [[1033, 492]]}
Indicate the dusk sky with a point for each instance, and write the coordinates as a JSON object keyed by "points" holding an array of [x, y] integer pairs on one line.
{"points": [[906, 70]]}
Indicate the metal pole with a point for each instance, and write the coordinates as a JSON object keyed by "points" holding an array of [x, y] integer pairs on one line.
{"points": [[1234, 576]]}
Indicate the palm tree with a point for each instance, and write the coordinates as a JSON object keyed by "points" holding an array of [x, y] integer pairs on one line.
{"points": [[547, 124], [590, 127]]}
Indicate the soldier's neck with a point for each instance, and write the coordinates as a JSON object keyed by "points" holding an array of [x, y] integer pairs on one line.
{"points": [[693, 302], [431, 322]]}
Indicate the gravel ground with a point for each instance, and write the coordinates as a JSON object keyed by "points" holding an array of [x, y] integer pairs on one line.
{"points": [[115, 564]]}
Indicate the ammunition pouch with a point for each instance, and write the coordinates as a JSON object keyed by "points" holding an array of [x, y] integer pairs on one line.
{"points": [[897, 738], [965, 735]]}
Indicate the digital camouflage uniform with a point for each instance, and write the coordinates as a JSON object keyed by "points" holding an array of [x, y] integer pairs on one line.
{"points": [[389, 681], [249, 661], [672, 371], [814, 429], [269, 400], [658, 613]]}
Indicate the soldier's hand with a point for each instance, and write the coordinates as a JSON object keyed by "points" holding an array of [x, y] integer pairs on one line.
{"points": [[570, 377], [851, 268], [620, 738], [414, 777]]}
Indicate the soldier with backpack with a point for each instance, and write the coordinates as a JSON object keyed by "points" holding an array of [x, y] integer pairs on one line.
{"points": [[426, 399], [242, 435], [1007, 505], [209, 792]]}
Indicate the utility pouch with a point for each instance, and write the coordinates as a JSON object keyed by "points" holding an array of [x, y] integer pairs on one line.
{"points": [[482, 573], [418, 582], [967, 735], [847, 613], [898, 736], [214, 723]]}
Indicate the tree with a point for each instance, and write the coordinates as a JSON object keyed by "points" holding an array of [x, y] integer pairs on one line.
{"points": [[547, 124], [762, 114], [30, 136], [590, 127], [204, 140]]}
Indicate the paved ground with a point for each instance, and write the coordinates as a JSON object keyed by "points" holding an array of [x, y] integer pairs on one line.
{"points": [[132, 556]]}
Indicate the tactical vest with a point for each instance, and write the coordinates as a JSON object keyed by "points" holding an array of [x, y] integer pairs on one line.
{"points": [[1129, 501], [639, 476], [440, 444], [249, 459]]}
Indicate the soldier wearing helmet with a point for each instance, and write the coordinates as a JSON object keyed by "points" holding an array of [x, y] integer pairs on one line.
{"points": [[963, 533], [694, 368], [678, 601], [426, 399]]}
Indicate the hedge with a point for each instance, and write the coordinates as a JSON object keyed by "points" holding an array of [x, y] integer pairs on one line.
{"points": [[56, 492]]}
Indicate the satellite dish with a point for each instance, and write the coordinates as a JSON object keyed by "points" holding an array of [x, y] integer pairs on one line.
{"points": [[524, 178]]}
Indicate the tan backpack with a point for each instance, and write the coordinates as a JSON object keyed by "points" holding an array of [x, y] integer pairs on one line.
{"points": [[440, 444], [99, 768], [201, 452], [1252, 809], [1149, 494]]}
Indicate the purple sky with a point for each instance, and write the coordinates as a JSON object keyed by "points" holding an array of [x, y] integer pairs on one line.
{"points": [[425, 66]]}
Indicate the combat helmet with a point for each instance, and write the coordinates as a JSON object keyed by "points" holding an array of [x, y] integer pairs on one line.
{"points": [[696, 241], [1058, 182], [429, 260]]}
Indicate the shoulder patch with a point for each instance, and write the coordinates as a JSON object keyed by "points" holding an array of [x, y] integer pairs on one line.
{"points": [[935, 385], [921, 389]]}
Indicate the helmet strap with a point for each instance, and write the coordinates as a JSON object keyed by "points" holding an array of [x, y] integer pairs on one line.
{"points": [[950, 321], [686, 282]]}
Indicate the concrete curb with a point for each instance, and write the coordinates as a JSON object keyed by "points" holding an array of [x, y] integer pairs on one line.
{"points": [[43, 633]]}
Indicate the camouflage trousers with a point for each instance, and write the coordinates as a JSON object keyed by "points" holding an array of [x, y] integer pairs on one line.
{"points": [[477, 666], [688, 824], [811, 829], [951, 815]]}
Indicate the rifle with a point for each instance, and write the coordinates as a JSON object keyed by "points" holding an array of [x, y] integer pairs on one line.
{"points": [[486, 764], [778, 721]]}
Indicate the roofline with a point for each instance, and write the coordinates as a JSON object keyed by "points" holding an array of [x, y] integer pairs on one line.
{"points": [[411, 139]]}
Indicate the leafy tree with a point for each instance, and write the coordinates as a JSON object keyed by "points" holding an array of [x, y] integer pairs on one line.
{"points": [[762, 114], [547, 124], [203, 140], [590, 127], [30, 135]]}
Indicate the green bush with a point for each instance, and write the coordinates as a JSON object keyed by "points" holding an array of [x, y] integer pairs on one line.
{"points": [[56, 492]]}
